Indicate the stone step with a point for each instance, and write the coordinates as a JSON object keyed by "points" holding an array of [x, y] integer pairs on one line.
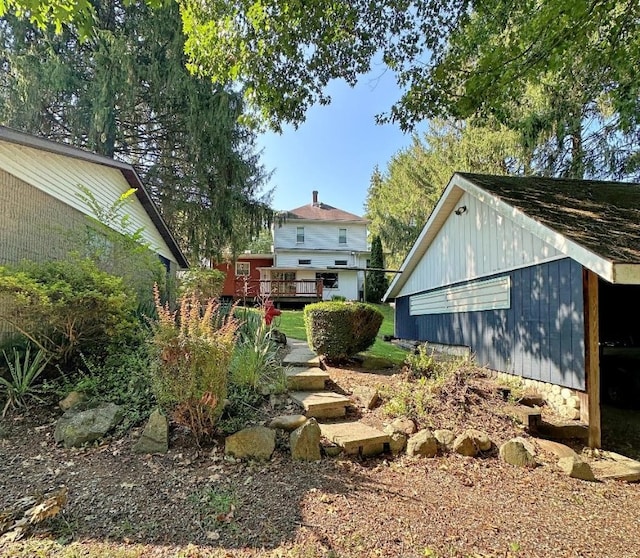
{"points": [[355, 437], [616, 467], [321, 404], [301, 355], [306, 379]]}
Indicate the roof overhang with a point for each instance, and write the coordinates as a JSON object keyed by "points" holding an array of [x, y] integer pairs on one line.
{"points": [[458, 185]]}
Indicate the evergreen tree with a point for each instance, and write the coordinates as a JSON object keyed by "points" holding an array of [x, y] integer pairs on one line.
{"points": [[377, 282]]}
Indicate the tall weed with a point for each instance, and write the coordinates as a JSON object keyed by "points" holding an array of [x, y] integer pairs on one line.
{"points": [[192, 349]]}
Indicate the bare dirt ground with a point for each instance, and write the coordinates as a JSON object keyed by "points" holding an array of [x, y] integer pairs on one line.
{"points": [[193, 502]]}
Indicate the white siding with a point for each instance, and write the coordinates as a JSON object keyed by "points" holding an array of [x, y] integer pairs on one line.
{"points": [[318, 259], [478, 243], [320, 236], [488, 294], [61, 176]]}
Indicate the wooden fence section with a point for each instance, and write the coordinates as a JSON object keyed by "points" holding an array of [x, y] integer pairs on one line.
{"points": [[278, 290]]}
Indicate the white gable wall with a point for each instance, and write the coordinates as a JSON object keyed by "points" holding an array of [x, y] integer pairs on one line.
{"points": [[61, 176], [478, 243], [320, 235]]}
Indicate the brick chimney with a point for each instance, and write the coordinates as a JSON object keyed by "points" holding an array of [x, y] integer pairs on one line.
{"points": [[315, 197]]}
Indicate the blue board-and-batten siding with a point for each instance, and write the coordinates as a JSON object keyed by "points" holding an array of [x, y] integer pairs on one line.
{"points": [[541, 336]]}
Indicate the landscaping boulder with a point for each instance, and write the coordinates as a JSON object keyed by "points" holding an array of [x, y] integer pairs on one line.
{"points": [[155, 438], [518, 452], [257, 442], [423, 443], [445, 438], [404, 425], [79, 425], [576, 468], [464, 445], [287, 422], [72, 400], [368, 396], [305, 441], [397, 443]]}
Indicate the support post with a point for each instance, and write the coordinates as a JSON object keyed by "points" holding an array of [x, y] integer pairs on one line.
{"points": [[592, 357]]}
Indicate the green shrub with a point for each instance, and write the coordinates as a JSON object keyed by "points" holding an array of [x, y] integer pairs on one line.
{"points": [[67, 307], [422, 362], [339, 330], [192, 350], [121, 376], [205, 283]]}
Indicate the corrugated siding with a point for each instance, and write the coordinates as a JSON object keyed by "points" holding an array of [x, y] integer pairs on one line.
{"points": [[320, 236], [540, 337], [478, 243], [60, 177]]}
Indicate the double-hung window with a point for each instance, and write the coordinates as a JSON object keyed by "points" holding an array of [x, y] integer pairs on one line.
{"points": [[342, 236], [300, 235]]}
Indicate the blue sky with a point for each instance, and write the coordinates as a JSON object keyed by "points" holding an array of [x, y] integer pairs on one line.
{"points": [[336, 149]]}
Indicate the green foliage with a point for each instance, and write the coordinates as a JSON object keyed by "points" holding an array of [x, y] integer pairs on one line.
{"points": [[422, 362], [24, 371], [121, 376], [67, 307], [124, 90], [215, 506], [205, 283], [243, 409], [117, 249], [192, 351], [339, 330], [376, 280], [410, 399], [255, 363], [400, 200]]}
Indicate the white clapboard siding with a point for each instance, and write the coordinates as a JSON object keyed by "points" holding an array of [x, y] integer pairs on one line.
{"points": [[318, 259], [487, 294], [61, 177], [320, 235], [478, 243]]}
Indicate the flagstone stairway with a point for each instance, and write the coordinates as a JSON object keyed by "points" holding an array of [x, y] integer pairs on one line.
{"points": [[306, 382]]}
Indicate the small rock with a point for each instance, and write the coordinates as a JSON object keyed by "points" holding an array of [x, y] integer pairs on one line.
{"points": [[257, 442], [72, 400], [445, 438], [397, 442], [516, 453], [576, 468], [155, 438], [368, 396], [404, 425], [287, 422], [423, 443], [79, 426], [278, 400], [332, 450], [305, 441]]}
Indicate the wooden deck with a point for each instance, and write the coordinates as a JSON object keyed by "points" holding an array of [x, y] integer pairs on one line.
{"points": [[283, 291]]}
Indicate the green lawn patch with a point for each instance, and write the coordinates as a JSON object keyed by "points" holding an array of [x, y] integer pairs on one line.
{"points": [[291, 323]]}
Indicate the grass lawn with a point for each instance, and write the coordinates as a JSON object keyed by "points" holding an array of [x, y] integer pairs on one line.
{"points": [[292, 324]]}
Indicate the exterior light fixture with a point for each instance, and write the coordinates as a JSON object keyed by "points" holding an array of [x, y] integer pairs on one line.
{"points": [[461, 210]]}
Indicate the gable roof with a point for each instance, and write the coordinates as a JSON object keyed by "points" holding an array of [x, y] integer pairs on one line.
{"points": [[322, 212], [127, 170], [596, 223]]}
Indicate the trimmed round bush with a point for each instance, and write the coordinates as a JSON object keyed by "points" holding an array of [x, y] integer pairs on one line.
{"points": [[339, 330]]}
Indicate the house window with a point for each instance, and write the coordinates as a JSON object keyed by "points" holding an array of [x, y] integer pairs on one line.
{"points": [[243, 268], [342, 236], [340, 262], [304, 262], [329, 280], [300, 235]]}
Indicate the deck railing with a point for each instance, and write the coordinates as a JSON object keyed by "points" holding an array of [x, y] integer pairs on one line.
{"points": [[272, 288]]}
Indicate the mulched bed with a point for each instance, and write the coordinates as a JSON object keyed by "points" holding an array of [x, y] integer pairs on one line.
{"points": [[446, 506]]}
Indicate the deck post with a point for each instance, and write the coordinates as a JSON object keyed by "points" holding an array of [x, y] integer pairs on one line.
{"points": [[592, 357]]}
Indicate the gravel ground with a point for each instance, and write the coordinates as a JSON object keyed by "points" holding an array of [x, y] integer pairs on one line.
{"points": [[197, 503]]}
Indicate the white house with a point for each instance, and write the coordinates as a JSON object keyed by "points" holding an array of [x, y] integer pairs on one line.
{"points": [[319, 250]]}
